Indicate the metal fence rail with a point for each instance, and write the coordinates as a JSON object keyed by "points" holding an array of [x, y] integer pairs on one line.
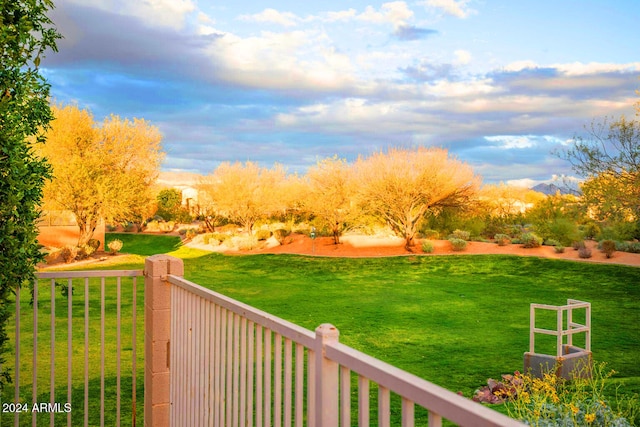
{"points": [[84, 291], [233, 365]]}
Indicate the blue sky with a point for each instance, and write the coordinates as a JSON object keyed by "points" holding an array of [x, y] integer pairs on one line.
{"points": [[500, 84]]}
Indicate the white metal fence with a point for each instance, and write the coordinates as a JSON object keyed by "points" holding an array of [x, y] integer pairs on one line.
{"points": [[233, 365], [61, 309], [208, 361]]}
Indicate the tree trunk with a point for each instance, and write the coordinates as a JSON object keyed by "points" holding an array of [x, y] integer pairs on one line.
{"points": [[337, 232], [87, 227]]}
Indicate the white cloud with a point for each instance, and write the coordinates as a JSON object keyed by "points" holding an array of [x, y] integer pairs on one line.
{"points": [[524, 183], [512, 141], [159, 13], [291, 60], [580, 69], [463, 57], [343, 15], [575, 68], [272, 16], [396, 13], [455, 8]]}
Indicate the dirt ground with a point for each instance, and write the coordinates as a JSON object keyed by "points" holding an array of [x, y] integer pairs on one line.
{"points": [[366, 246]]}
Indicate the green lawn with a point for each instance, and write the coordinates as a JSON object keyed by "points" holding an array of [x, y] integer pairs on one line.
{"points": [[453, 320]]}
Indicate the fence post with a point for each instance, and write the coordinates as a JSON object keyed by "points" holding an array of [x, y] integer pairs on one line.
{"points": [[326, 378], [157, 315]]}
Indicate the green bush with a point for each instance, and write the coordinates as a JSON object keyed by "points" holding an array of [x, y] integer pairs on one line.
{"points": [[460, 234], [115, 246], [622, 231], [427, 247], [190, 233], [559, 249], [502, 239], [531, 240], [458, 244], [263, 234], [552, 242], [563, 230], [94, 243], [631, 247], [608, 247]]}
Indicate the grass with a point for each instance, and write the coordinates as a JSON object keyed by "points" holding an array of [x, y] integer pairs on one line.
{"points": [[454, 320], [144, 244]]}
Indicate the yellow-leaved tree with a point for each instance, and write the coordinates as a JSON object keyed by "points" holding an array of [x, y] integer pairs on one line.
{"points": [[331, 195], [400, 186], [100, 171], [243, 193]]}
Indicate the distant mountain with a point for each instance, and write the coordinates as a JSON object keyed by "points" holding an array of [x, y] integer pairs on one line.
{"points": [[551, 189]]}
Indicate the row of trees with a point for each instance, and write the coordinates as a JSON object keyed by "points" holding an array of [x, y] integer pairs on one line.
{"points": [[106, 171], [398, 187]]}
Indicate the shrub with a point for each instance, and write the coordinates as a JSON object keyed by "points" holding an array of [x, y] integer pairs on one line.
{"points": [[563, 230], [578, 245], [190, 233], [69, 253], [502, 239], [52, 256], [281, 235], [559, 249], [584, 252], [608, 247], [458, 244], [214, 238], [631, 247], [115, 246], [531, 240], [111, 228], [263, 234], [94, 243], [427, 247], [85, 251], [243, 243], [167, 227], [460, 234], [551, 242]]}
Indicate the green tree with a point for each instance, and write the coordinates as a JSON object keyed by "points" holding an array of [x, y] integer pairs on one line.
{"points": [[25, 34], [100, 171], [169, 203], [401, 186], [608, 156]]}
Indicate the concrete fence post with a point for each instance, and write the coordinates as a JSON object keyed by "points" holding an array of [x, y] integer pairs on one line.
{"points": [[157, 315], [326, 378]]}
